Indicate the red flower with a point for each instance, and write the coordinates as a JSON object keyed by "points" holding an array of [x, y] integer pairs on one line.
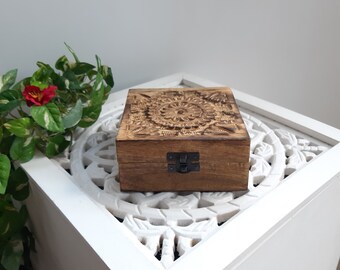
{"points": [[35, 96]]}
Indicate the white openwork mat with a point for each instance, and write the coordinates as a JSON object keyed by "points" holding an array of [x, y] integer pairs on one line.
{"points": [[170, 223]]}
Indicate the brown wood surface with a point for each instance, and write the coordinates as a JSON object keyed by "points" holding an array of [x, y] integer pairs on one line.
{"points": [[144, 167], [156, 122], [177, 114]]}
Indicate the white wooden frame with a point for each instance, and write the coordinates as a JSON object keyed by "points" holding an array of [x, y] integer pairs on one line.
{"points": [[280, 231]]}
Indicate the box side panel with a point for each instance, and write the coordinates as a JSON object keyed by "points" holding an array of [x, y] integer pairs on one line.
{"points": [[122, 126], [155, 151], [143, 166], [143, 177]]}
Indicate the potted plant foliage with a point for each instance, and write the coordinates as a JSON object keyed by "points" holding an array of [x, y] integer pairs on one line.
{"points": [[40, 112]]}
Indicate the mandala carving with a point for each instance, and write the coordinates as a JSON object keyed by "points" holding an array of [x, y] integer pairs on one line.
{"points": [[180, 113]]}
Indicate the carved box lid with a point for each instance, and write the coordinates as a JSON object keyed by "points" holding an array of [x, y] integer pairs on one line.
{"points": [[182, 114]]}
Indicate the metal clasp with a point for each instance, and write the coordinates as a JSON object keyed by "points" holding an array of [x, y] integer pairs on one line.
{"points": [[183, 162]]}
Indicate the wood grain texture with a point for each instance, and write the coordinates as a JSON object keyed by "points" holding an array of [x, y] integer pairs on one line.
{"points": [[177, 113], [207, 121]]}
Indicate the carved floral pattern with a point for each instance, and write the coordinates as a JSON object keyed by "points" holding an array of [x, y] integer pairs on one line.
{"points": [[182, 113], [162, 239], [216, 96]]}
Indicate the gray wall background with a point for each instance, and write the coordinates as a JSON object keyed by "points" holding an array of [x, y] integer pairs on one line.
{"points": [[284, 51]]}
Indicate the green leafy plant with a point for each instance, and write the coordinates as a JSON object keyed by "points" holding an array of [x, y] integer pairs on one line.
{"points": [[40, 112]]}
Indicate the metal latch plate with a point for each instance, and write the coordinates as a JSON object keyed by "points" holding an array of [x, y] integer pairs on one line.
{"points": [[183, 162]]}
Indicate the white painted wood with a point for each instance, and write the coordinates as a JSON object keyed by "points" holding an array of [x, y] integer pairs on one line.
{"points": [[59, 244], [73, 231], [292, 119], [267, 216], [240, 242], [308, 240]]}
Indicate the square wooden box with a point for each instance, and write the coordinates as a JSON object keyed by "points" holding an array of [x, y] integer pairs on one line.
{"points": [[182, 139]]}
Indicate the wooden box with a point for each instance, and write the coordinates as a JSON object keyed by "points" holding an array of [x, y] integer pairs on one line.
{"points": [[182, 139]]}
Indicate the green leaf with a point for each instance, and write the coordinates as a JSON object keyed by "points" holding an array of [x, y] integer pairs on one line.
{"points": [[56, 145], [98, 84], [6, 143], [41, 75], [48, 116], [70, 75], [3, 205], [12, 227], [44, 74], [105, 71], [99, 62], [97, 98], [45, 66], [90, 115], [19, 127], [12, 253], [8, 79], [9, 214], [1, 134], [7, 106], [29, 245], [72, 52], [59, 81], [71, 80], [98, 92], [29, 242], [107, 75], [22, 149], [12, 221], [21, 84], [18, 185], [41, 85], [82, 68], [5, 168], [9, 100], [62, 63], [92, 73], [11, 95], [107, 91], [92, 112], [73, 117]]}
